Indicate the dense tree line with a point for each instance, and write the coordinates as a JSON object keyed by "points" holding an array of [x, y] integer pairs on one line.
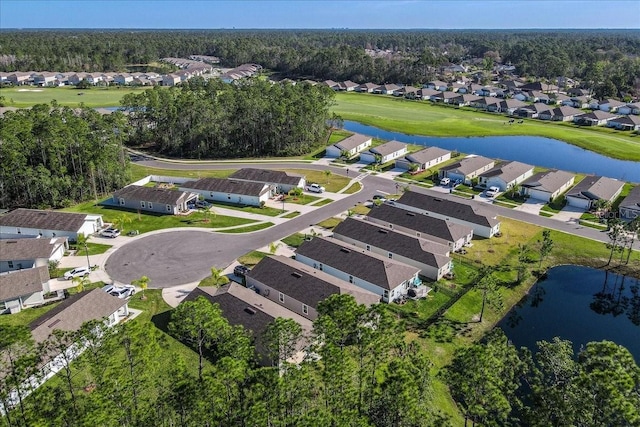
{"points": [[210, 119], [362, 373], [601, 57], [54, 156]]}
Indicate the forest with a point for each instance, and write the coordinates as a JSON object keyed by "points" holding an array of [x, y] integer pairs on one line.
{"points": [[608, 58], [54, 156], [211, 119], [362, 373]]}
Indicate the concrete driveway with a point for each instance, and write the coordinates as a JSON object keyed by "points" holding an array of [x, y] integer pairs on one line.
{"points": [[531, 206], [569, 214]]}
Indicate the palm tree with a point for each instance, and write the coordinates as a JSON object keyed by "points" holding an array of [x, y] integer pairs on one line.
{"points": [[218, 277], [81, 282], [273, 247], [143, 282], [82, 240], [121, 220], [327, 173]]}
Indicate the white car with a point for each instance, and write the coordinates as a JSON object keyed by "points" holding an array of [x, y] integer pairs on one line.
{"points": [[124, 291], [445, 181], [77, 272], [492, 192], [315, 188], [110, 232]]}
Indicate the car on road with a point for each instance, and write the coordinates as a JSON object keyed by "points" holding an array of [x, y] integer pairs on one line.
{"points": [[315, 188], [122, 292], [379, 197], [110, 232], [492, 191], [445, 181], [241, 270], [77, 272]]}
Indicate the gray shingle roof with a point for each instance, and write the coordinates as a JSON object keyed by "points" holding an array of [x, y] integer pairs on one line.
{"points": [[633, 199], [424, 224], [352, 142], [427, 155], [373, 268], [152, 194], [469, 164], [305, 284], [24, 249], [596, 187], [508, 171], [266, 176], [43, 220], [450, 208], [388, 148], [22, 282], [598, 115], [221, 185], [549, 181], [412, 247], [74, 311], [627, 120]]}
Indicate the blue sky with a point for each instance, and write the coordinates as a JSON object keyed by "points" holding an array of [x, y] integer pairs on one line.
{"points": [[436, 14]]}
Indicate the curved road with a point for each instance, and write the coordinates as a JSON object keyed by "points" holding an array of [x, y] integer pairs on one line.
{"points": [[177, 257]]}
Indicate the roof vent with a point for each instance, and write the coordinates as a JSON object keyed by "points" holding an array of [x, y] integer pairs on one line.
{"points": [[411, 214], [383, 231], [345, 250], [250, 310], [296, 275]]}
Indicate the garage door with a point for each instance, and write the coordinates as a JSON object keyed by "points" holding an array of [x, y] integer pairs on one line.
{"points": [[578, 202]]}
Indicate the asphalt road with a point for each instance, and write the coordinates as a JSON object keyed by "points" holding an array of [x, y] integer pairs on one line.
{"points": [[178, 257]]}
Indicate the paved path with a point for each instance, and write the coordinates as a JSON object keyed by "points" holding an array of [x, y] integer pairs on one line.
{"points": [[531, 206], [569, 214]]}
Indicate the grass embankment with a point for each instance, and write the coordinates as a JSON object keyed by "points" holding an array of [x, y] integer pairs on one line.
{"points": [[425, 118], [69, 96]]}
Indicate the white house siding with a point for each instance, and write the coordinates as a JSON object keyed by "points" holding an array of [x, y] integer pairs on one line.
{"points": [[394, 155], [155, 207], [386, 296], [289, 302], [239, 199], [502, 184]]}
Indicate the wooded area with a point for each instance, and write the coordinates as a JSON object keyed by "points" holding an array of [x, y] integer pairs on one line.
{"points": [[54, 156], [211, 119]]}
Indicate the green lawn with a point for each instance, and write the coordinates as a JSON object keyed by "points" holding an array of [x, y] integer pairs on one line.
{"points": [[425, 118], [252, 258], [66, 96], [267, 211], [94, 249], [353, 188], [249, 228], [144, 222], [294, 240], [291, 215], [338, 135], [329, 223], [139, 172], [323, 202]]}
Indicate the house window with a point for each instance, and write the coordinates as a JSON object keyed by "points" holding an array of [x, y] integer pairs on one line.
{"points": [[386, 294], [142, 204], [19, 232], [211, 194], [350, 279], [121, 201], [281, 297], [391, 226], [305, 309], [168, 208], [390, 255], [10, 263], [150, 205]]}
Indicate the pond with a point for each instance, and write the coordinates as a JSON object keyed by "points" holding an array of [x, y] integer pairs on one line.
{"points": [[533, 150], [579, 304]]}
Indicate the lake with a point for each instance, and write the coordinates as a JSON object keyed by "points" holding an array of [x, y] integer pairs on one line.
{"points": [[579, 304], [533, 150]]}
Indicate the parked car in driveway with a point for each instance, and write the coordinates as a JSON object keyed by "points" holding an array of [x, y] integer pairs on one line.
{"points": [[445, 181], [110, 232], [315, 188], [77, 272], [492, 191], [203, 204], [241, 270], [379, 197]]}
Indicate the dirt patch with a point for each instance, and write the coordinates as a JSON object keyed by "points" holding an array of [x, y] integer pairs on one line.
{"points": [[30, 90]]}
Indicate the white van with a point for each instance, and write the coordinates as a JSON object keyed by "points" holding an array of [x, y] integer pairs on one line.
{"points": [[445, 181]]}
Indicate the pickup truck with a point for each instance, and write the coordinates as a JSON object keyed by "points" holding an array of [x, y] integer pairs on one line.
{"points": [[315, 188]]}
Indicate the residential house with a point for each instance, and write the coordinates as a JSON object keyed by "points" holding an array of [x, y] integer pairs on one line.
{"points": [[347, 86], [424, 159], [331, 84], [19, 78], [629, 208], [625, 123], [607, 105], [576, 102], [426, 93], [244, 307], [230, 191], [560, 114], [406, 91], [76, 78], [467, 169], [23, 289], [594, 118], [540, 87], [558, 98], [379, 274], [282, 181], [533, 110], [18, 254], [506, 175], [171, 80], [464, 99], [487, 103], [437, 85], [454, 68], [123, 79], [631, 108], [535, 96], [547, 185], [45, 79], [430, 257], [510, 105], [491, 91], [457, 86], [299, 287], [386, 89], [384, 153], [350, 146], [593, 188], [574, 91], [445, 97], [366, 87], [24, 223], [94, 78], [153, 199], [449, 233], [475, 89], [484, 224]]}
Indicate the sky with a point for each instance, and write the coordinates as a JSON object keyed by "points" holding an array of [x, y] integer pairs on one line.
{"points": [[400, 14]]}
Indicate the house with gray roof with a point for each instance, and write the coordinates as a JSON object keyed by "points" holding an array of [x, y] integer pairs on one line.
{"points": [[406, 91], [282, 181], [22, 223], [449, 233], [560, 114], [388, 278], [630, 206], [426, 93], [547, 185], [366, 87], [299, 287], [467, 169], [593, 188], [469, 214], [594, 118], [230, 191], [430, 257], [424, 159], [386, 89], [351, 145], [386, 152], [506, 175], [153, 199], [244, 307], [533, 110], [625, 123], [629, 108], [17, 254], [347, 86], [24, 288]]}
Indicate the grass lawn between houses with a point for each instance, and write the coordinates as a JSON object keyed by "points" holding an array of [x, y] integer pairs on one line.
{"points": [[70, 96]]}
